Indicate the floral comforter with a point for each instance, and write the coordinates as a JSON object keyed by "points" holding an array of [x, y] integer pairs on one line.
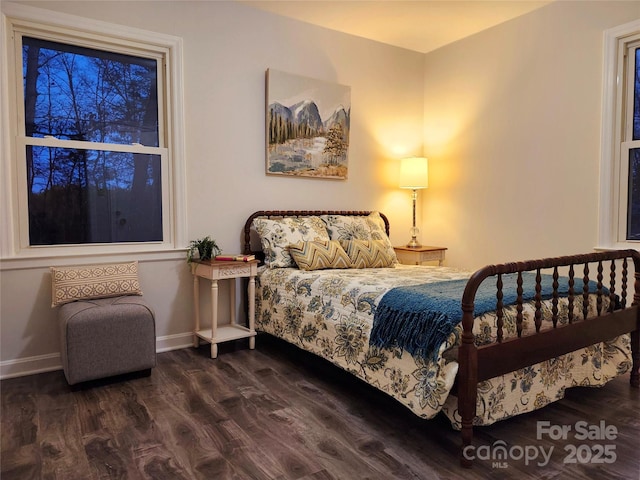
{"points": [[330, 313]]}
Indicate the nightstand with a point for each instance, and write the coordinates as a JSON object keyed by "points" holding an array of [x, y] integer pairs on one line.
{"points": [[214, 271], [417, 256]]}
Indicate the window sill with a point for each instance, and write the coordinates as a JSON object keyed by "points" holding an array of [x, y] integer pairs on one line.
{"points": [[45, 261], [618, 246]]}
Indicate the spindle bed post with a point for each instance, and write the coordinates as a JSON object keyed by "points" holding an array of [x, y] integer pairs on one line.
{"points": [[635, 335]]}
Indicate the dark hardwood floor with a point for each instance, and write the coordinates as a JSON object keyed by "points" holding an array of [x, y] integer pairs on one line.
{"points": [[277, 413]]}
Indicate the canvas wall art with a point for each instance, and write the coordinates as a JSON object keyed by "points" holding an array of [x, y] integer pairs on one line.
{"points": [[308, 125]]}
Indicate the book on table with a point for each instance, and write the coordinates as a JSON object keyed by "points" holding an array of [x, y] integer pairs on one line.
{"points": [[234, 258]]}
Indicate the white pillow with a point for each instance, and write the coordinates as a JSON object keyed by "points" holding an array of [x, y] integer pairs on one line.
{"points": [[277, 234], [355, 227], [69, 284]]}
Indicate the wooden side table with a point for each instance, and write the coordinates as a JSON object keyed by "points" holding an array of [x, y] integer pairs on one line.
{"points": [[417, 256], [214, 271]]}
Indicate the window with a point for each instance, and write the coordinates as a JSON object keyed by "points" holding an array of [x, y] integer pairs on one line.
{"points": [[630, 156], [79, 102], [619, 214], [95, 137]]}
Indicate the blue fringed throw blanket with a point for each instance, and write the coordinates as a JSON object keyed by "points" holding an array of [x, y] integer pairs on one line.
{"points": [[419, 318]]}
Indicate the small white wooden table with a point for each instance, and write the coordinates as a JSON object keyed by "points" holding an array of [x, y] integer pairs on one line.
{"points": [[214, 271]]}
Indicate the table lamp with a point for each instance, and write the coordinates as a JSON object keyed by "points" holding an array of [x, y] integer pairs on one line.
{"points": [[414, 174]]}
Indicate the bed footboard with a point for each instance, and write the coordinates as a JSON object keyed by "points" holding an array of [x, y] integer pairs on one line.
{"points": [[478, 363]]}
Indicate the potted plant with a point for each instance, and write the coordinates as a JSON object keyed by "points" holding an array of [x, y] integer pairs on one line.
{"points": [[202, 249]]}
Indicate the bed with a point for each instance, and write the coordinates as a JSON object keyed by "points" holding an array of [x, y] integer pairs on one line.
{"points": [[478, 346]]}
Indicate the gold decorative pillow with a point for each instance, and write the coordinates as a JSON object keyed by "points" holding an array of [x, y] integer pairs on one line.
{"points": [[277, 234], [359, 227], [318, 255], [93, 281], [368, 253]]}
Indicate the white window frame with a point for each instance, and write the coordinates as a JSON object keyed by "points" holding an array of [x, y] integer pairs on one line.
{"points": [[614, 155], [14, 246]]}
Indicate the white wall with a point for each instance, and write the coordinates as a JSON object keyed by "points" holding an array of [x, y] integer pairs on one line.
{"points": [[512, 130], [510, 120], [227, 49]]}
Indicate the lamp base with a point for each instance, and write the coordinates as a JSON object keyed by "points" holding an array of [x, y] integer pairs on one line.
{"points": [[414, 243], [414, 231]]}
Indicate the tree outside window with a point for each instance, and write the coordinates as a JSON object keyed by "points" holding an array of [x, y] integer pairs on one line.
{"points": [[89, 116]]}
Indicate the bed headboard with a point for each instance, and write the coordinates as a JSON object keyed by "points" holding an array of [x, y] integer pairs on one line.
{"points": [[251, 244]]}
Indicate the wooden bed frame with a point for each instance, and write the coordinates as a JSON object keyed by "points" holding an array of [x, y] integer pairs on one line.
{"points": [[479, 363]]}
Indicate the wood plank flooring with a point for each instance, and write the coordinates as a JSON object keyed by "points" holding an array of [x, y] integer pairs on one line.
{"points": [[277, 413]]}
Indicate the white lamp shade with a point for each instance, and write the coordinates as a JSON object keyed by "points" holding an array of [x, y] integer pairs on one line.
{"points": [[414, 173]]}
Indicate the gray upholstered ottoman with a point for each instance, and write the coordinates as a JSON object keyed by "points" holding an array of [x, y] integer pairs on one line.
{"points": [[105, 337]]}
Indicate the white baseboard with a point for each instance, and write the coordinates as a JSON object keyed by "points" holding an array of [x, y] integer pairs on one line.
{"points": [[21, 367], [30, 365], [174, 342]]}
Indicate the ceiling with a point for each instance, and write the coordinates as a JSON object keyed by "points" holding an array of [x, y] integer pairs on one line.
{"points": [[419, 25]]}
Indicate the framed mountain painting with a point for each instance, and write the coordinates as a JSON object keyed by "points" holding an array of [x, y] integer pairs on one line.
{"points": [[308, 125]]}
